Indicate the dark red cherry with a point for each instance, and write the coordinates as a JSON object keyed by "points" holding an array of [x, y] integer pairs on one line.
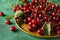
{"points": [[44, 1], [58, 11], [31, 29], [7, 22], [38, 20], [58, 32], [40, 31], [1, 14], [53, 14], [12, 28], [34, 21], [40, 15], [18, 19], [30, 23], [46, 18], [25, 0], [40, 7], [49, 4], [25, 9], [53, 22], [30, 19], [16, 7], [55, 18], [26, 21], [57, 28]]}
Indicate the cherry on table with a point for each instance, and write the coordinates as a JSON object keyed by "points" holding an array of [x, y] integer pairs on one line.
{"points": [[7, 22], [12, 28], [1, 14]]}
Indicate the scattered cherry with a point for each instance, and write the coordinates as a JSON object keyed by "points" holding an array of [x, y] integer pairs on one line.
{"points": [[12, 28], [1, 14], [7, 22]]}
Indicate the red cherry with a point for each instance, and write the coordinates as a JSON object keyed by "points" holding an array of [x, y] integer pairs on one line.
{"points": [[35, 14], [46, 18], [36, 11], [55, 18], [33, 25], [40, 15], [7, 22], [38, 20], [12, 28], [30, 19], [49, 4], [34, 21], [58, 32], [1, 14], [57, 28], [29, 23], [16, 7], [29, 10], [25, 0], [26, 21], [40, 7], [31, 29], [58, 11], [44, 1], [53, 23], [53, 14], [18, 18], [25, 8], [36, 1], [40, 31]]}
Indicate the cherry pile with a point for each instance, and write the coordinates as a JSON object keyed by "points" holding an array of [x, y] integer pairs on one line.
{"points": [[37, 12]]}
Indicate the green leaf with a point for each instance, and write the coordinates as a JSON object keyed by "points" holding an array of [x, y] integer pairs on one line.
{"points": [[18, 13], [47, 29]]}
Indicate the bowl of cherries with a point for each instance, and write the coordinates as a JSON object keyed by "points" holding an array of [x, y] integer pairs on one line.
{"points": [[38, 18]]}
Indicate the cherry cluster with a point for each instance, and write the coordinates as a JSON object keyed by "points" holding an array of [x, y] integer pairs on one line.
{"points": [[37, 12]]}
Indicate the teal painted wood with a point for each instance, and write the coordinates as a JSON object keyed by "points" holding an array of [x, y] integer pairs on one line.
{"points": [[5, 33]]}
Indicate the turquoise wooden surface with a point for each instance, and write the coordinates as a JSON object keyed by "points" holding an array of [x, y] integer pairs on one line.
{"points": [[5, 33]]}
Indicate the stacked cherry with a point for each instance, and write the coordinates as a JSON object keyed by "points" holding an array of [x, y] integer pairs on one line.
{"points": [[38, 12]]}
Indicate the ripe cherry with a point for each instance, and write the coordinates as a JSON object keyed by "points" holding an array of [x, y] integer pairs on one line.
{"points": [[55, 18], [40, 31], [1, 14], [12, 28], [46, 18], [26, 21], [38, 20], [30, 19], [25, 9], [34, 21], [16, 7], [58, 32], [57, 28], [40, 15], [7, 22], [25, 0], [53, 14], [31, 29]]}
